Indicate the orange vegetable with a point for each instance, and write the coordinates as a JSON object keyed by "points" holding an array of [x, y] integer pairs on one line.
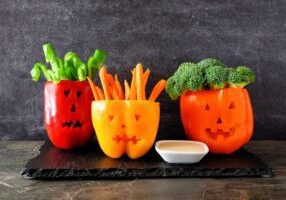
{"points": [[99, 92], [112, 87], [104, 82], [127, 90], [139, 82], [93, 89], [119, 88], [223, 119], [158, 88], [145, 77], [132, 95], [125, 127]]}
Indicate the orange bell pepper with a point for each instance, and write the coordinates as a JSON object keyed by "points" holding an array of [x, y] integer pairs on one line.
{"points": [[125, 126], [223, 119]]}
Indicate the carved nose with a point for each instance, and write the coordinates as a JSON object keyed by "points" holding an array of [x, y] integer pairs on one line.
{"points": [[73, 108], [123, 126], [219, 121]]}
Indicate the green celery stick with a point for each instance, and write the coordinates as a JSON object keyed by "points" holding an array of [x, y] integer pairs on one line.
{"points": [[36, 72], [69, 65], [50, 56], [81, 72], [95, 62]]}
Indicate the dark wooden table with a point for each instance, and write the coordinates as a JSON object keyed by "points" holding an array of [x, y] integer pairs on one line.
{"points": [[13, 156]]}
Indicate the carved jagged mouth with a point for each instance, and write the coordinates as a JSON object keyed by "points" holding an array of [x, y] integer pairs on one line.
{"points": [[124, 138], [72, 124], [219, 132]]}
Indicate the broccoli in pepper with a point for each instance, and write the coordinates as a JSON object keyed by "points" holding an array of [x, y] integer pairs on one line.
{"points": [[209, 62], [240, 77], [216, 77], [209, 73], [189, 76], [170, 88]]}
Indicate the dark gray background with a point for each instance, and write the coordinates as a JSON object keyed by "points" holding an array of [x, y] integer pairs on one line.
{"points": [[158, 33]]}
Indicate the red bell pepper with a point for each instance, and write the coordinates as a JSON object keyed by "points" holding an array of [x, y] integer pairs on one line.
{"points": [[67, 113]]}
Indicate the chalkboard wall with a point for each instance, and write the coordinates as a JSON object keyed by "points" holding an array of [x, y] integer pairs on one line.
{"points": [[160, 34]]}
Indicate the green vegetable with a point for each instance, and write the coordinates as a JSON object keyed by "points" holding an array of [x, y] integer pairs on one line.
{"points": [[82, 72], [216, 77], [209, 73], [71, 67], [70, 59], [36, 72], [49, 52], [189, 76], [240, 77], [209, 62], [170, 88], [95, 62]]}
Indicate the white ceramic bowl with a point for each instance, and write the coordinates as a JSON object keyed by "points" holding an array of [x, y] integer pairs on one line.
{"points": [[181, 151]]}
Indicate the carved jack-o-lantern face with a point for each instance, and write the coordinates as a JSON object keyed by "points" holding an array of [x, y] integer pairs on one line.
{"points": [[223, 119], [67, 113], [125, 127]]}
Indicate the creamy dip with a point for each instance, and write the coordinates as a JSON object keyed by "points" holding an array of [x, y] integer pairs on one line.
{"points": [[181, 147]]}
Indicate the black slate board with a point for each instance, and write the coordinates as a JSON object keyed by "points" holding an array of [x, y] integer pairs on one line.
{"points": [[90, 162]]}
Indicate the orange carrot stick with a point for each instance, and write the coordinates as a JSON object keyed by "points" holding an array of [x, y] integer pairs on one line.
{"points": [[146, 76], [114, 93], [145, 79], [109, 79], [93, 89], [112, 87], [127, 90], [104, 82], [99, 92], [119, 88], [158, 88], [132, 95], [139, 82]]}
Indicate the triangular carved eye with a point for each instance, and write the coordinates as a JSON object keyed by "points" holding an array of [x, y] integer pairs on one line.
{"points": [[231, 106], [110, 117], [137, 117], [67, 92], [78, 93], [207, 107]]}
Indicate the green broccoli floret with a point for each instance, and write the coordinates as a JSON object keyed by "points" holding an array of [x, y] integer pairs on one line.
{"points": [[170, 88], [189, 76], [209, 62], [209, 73], [240, 77], [216, 77]]}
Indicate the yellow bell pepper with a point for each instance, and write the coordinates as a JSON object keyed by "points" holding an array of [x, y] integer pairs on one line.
{"points": [[125, 126]]}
